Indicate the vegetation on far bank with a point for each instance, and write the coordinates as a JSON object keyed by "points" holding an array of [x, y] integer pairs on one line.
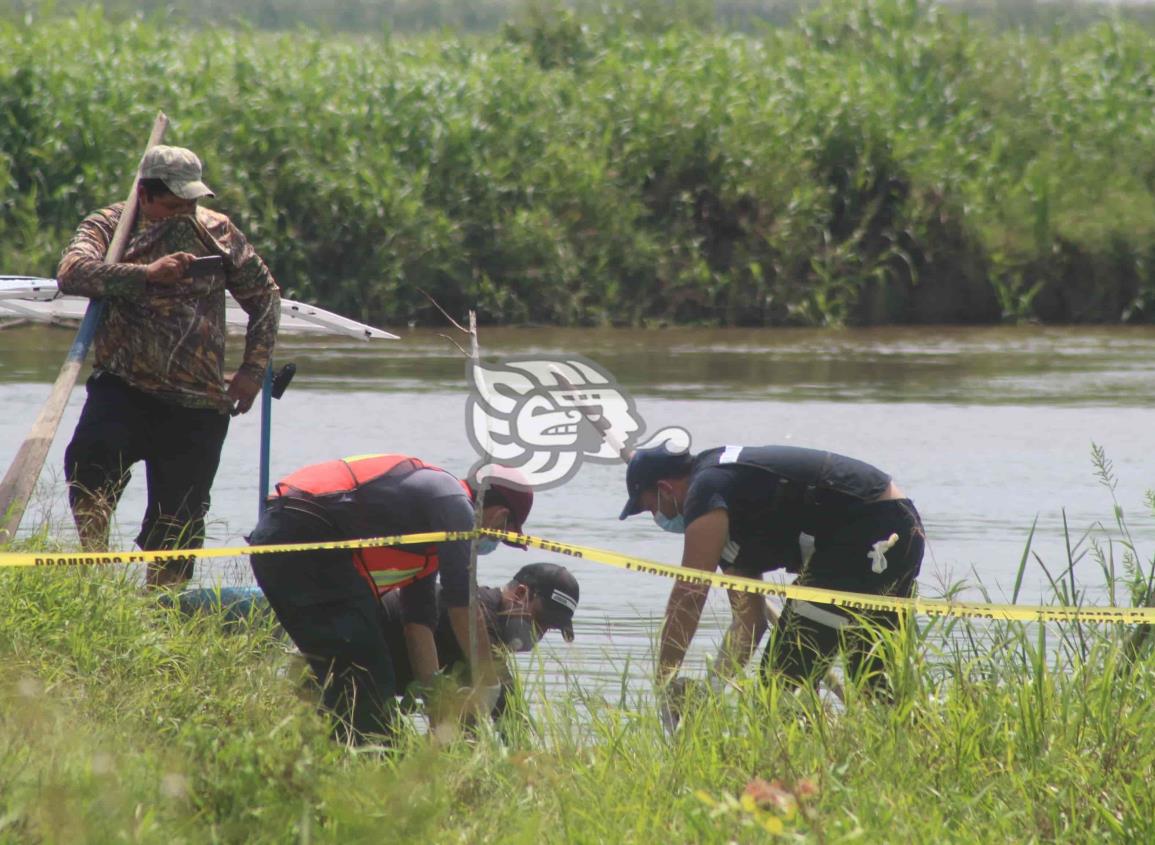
{"points": [[875, 161], [486, 16]]}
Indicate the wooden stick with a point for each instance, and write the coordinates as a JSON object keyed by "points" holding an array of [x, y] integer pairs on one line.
{"points": [[20, 480], [478, 509]]}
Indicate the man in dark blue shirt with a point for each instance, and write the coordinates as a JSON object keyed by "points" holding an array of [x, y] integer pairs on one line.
{"points": [[745, 509]]}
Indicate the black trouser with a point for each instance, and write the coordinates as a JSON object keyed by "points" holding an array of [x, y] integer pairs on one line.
{"points": [[328, 608], [808, 634], [181, 449]]}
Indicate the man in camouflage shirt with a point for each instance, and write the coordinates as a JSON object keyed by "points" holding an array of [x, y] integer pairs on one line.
{"points": [[157, 392]]}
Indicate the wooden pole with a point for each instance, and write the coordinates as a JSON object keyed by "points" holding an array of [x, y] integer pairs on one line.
{"points": [[482, 485], [20, 480]]}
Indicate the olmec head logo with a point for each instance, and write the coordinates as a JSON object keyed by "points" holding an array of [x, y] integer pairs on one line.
{"points": [[534, 414]]}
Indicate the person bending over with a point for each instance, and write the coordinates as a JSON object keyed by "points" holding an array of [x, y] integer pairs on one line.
{"points": [[744, 509], [328, 600], [540, 598]]}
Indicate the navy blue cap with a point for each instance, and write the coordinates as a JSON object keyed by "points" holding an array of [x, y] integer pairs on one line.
{"points": [[647, 467]]}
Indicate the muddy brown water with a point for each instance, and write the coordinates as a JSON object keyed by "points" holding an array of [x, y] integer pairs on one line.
{"points": [[986, 429]]}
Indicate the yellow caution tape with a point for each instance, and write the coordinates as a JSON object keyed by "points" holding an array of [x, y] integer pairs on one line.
{"points": [[98, 558], [856, 602]]}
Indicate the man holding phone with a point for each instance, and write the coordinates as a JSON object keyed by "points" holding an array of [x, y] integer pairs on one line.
{"points": [[158, 393]]}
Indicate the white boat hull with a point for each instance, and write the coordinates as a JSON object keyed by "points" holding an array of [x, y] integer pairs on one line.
{"points": [[32, 298]]}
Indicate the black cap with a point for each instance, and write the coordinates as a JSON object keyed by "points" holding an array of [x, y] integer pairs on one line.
{"points": [[647, 467], [558, 590]]}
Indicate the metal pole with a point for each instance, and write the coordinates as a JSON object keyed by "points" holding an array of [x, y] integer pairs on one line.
{"points": [[266, 436]]}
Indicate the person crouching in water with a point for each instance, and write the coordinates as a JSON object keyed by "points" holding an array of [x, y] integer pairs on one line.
{"points": [[327, 600], [745, 509]]}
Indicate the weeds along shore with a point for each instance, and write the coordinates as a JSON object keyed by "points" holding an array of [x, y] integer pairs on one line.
{"points": [[123, 720], [873, 161]]}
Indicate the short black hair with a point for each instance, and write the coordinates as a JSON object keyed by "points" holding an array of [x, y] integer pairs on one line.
{"points": [[494, 498], [680, 467], [154, 188]]}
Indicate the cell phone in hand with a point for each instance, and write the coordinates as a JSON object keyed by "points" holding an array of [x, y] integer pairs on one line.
{"points": [[206, 266]]}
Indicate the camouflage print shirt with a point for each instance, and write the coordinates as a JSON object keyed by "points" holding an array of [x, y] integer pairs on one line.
{"points": [[169, 340]]}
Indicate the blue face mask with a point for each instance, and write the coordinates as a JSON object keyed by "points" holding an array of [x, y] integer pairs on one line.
{"points": [[485, 545], [673, 524]]}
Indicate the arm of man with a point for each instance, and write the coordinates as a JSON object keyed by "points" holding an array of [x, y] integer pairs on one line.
{"points": [[747, 627], [83, 272], [502, 705], [486, 674], [452, 511], [249, 281], [418, 612], [702, 549], [422, 650]]}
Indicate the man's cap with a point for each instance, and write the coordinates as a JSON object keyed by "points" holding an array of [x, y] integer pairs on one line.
{"points": [[646, 468], [558, 590], [513, 488], [178, 168]]}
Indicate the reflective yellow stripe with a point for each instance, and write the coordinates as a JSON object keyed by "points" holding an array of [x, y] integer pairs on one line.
{"points": [[389, 577]]}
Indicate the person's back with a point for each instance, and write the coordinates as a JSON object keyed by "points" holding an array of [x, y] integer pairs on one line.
{"points": [[773, 494]]}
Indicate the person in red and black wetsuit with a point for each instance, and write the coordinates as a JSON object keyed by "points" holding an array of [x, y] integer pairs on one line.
{"points": [[327, 600]]}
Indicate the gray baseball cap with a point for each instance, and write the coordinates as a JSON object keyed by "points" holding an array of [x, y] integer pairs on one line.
{"points": [[178, 168]]}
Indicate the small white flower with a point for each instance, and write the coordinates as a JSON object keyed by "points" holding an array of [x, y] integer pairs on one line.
{"points": [[174, 785]]}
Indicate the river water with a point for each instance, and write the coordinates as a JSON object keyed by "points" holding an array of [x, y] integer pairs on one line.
{"points": [[986, 429]]}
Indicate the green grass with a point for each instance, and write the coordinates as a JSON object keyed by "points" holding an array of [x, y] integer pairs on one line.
{"points": [[123, 721], [874, 161]]}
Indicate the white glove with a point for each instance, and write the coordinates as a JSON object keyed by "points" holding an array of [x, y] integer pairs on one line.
{"points": [[877, 554], [484, 699]]}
